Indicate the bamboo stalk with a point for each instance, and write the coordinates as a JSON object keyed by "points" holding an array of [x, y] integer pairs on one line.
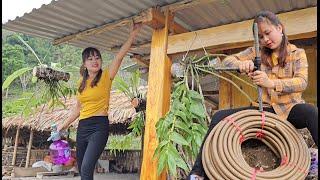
{"points": [[29, 148]]}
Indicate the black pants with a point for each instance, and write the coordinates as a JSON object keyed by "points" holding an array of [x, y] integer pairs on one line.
{"points": [[300, 116], [92, 136]]}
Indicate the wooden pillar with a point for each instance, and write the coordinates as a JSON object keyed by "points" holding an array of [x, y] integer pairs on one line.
{"points": [[29, 148], [225, 93], [158, 98], [15, 146]]}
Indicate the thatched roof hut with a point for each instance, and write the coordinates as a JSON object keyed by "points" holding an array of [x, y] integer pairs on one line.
{"points": [[120, 114]]}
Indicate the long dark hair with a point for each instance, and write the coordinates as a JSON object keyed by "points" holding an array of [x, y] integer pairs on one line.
{"points": [[90, 51], [270, 17]]}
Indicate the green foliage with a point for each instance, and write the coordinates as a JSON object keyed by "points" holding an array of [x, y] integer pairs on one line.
{"points": [[181, 131], [131, 140], [21, 52], [137, 125], [25, 105], [119, 143], [12, 59], [54, 90], [50, 91], [13, 76], [130, 89], [13, 107]]}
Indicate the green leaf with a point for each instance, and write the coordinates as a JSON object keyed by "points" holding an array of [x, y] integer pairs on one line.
{"points": [[177, 158], [159, 148], [135, 82], [13, 76], [172, 165], [183, 126], [195, 95], [185, 100], [195, 149], [197, 109], [200, 128], [34, 79], [30, 48], [197, 138], [121, 85], [181, 115], [177, 138], [177, 105], [181, 163], [173, 151], [162, 162]]}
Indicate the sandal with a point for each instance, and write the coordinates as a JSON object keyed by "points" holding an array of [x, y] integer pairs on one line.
{"points": [[195, 177]]}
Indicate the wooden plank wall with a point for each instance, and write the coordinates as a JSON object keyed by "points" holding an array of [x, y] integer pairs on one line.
{"points": [[310, 46], [310, 94]]}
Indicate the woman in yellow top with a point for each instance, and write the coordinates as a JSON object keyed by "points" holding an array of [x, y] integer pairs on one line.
{"points": [[283, 77], [92, 105]]}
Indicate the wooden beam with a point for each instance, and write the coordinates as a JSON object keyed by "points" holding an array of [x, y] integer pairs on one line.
{"points": [[29, 148], [140, 18], [225, 98], [210, 101], [186, 4], [298, 24], [116, 49], [158, 21], [210, 93], [15, 146], [139, 60], [158, 99], [152, 17]]}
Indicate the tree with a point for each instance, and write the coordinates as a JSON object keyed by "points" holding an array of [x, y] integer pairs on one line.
{"points": [[12, 59]]}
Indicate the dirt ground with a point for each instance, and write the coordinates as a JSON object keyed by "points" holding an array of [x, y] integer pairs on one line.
{"points": [[110, 176]]}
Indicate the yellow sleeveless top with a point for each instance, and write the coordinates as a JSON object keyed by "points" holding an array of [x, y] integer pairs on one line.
{"points": [[95, 99]]}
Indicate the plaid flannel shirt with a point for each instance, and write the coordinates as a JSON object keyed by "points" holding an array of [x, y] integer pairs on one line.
{"points": [[290, 81]]}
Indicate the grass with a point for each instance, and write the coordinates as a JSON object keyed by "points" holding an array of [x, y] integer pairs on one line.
{"points": [[118, 142]]}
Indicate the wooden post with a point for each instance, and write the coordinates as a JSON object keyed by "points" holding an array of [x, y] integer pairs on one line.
{"points": [[29, 148], [15, 147], [225, 93], [158, 99]]}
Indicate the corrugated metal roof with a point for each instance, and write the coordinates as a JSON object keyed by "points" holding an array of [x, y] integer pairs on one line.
{"points": [[223, 12], [65, 17]]}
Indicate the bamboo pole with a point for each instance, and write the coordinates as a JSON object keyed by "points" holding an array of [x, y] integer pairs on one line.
{"points": [[15, 147], [29, 148]]}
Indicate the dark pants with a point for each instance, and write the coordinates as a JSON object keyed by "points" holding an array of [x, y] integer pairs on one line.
{"points": [[300, 116], [92, 136]]}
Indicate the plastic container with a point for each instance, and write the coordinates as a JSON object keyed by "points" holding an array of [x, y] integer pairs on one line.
{"points": [[60, 152], [59, 149]]}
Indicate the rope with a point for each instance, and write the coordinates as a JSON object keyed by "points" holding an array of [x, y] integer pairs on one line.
{"points": [[222, 156]]}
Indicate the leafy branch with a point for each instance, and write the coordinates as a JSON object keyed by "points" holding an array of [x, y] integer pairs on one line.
{"points": [[181, 131]]}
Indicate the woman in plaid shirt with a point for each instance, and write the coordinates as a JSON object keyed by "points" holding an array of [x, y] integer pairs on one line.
{"points": [[283, 77]]}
